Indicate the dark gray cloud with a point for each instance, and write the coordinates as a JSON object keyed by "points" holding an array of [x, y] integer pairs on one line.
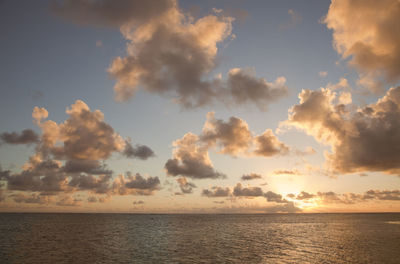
{"points": [[139, 151], [304, 196], [244, 87], [135, 184], [251, 176], [274, 197], [27, 136], [217, 192], [247, 191]]}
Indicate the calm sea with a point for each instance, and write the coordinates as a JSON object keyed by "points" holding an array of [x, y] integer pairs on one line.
{"points": [[130, 238]]}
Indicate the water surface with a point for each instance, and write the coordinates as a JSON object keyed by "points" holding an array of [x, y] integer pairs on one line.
{"points": [[132, 238]]}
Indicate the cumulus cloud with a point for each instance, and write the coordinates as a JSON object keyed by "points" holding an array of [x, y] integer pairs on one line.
{"points": [[191, 159], [234, 138], [139, 151], [362, 140], [135, 184], [217, 192], [171, 53], [251, 176], [247, 191], [185, 186], [305, 196], [269, 145], [367, 33], [27, 136], [69, 157]]}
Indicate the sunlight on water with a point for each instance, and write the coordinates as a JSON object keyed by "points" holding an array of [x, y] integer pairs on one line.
{"points": [[124, 238]]}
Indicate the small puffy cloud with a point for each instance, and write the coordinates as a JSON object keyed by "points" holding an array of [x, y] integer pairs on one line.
{"points": [[135, 185], [370, 38], [69, 201], [190, 159], [269, 145], [362, 140], [217, 192], [233, 136], [139, 202], [139, 151], [27, 136], [245, 87], [274, 197], [286, 172], [185, 186], [305, 196], [251, 176], [247, 191]]}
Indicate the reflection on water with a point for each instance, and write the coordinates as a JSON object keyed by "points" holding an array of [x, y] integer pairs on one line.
{"points": [[126, 238]]}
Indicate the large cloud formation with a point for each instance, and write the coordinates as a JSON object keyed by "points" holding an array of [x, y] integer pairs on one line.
{"points": [[367, 139], [171, 53], [70, 157], [368, 32], [190, 156]]}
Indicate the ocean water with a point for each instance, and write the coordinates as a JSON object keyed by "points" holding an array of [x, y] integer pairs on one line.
{"points": [[133, 238]]}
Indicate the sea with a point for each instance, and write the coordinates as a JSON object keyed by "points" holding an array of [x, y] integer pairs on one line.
{"points": [[199, 238]]}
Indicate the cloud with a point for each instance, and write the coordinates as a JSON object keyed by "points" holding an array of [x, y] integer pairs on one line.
{"points": [[362, 140], [135, 185], [170, 53], [366, 32], [69, 201], [269, 145], [287, 172], [305, 196], [247, 191], [245, 87], [349, 198], [217, 192], [186, 187], [190, 159], [70, 157], [138, 202], [233, 136], [27, 136], [274, 197], [251, 176], [32, 198], [139, 151]]}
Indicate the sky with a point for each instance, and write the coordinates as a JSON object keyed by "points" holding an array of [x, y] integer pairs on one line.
{"points": [[200, 106]]}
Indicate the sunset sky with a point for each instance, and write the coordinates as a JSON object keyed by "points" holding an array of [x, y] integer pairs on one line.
{"points": [[224, 106]]}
